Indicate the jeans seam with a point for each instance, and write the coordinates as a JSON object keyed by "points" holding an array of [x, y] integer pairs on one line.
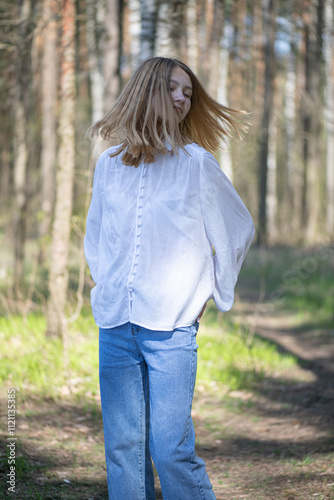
{"points": [[142, 444], [193, 380]]}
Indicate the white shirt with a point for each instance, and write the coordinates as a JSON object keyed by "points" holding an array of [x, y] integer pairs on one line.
{"points": [[149, 237]]}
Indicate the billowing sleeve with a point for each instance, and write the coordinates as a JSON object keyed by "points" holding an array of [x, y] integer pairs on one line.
{"points": [[94, 220], [229, 228]]}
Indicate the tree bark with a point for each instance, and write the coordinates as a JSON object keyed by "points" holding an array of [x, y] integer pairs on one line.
{"points": [[170, 33], [148, 13], [163, 43], [49, 113], [135, 30], [290, 116], [222, 62], [58, 279], [192, 36], [269, 13], [94, 58], [112, 51], [22, 65], [329, 112], [311, 103], [271, 198]]}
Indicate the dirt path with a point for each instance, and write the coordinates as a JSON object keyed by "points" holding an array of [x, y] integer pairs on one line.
{"points": [[276, 443]]}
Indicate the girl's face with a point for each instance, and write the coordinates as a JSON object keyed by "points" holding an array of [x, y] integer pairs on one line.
{"points": [[181, 91]]}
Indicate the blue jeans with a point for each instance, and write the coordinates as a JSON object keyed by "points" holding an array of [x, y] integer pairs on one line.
{"points": [[147, 381]]}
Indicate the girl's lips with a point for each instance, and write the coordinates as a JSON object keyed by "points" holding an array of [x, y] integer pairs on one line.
{"points": [[178, 108]]}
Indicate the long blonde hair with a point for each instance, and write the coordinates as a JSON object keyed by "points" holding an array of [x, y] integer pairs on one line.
{"points": [[143, 132]]}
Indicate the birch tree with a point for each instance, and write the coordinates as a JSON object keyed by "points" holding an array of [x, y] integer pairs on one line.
{"points": [[148, 13], [58, 279], [170, 32], [163, 42], [134, 30]]}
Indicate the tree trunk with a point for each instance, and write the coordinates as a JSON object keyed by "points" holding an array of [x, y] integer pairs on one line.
{"points": [[58, 280], [177, 31], [21, 87], [163, 43], [311, 103], [112, 51], [192, 36], [329, 112], [290, 116], [49, 117], [272, 180], [94, 58], [224, 154], [5, 169], [135, 30], [148, 11], [170, 33], [269, 13]]}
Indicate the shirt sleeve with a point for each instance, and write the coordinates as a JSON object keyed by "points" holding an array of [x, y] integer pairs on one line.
{"points": [[94, 220], [229, 228]]}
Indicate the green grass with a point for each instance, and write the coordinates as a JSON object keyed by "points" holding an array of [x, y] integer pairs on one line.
{"points": [[296, 281], [226, 357], [35, 364], [32, 362], [305, 285]]}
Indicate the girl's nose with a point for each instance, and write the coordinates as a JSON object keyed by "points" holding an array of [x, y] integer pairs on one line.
{"points": [[179, 97]]}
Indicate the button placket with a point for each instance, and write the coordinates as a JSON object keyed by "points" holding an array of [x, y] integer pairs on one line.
{"points": [[137, 236]]}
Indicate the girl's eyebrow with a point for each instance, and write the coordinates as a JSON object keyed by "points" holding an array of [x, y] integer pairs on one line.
{"points": [[185, 87]]}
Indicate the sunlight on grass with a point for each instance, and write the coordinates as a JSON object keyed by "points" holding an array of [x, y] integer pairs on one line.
{"points": [[30, 361], [304, 280], [295, 281], [36, 364], [226, 358]]}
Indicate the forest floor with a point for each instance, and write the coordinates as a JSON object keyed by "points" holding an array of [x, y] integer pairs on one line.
{"points": [[275, 442]]}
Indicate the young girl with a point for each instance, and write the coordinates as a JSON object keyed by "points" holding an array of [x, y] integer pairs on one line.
{"points": [[160, 204]]}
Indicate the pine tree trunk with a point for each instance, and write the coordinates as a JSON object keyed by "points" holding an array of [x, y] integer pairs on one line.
{"points": [[22, 65], [49, 118], [311, 103], [329, 112], [112, 51], [192, 36], [58, 279], [272, 180], [269, 12], [225, 157], [290, 116]]}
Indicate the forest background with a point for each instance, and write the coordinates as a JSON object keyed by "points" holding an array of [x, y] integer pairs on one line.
{"points": [[63, 63], [263, 407]]}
